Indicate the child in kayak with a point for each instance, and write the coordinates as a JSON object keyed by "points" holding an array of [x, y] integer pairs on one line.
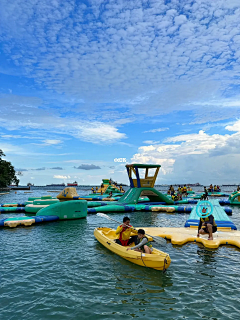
{"points": [[144, 245]]}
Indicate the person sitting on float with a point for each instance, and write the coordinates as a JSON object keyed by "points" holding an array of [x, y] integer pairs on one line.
{"points": [[143, 245], [207, 225], [93, 191], [124, 231]]}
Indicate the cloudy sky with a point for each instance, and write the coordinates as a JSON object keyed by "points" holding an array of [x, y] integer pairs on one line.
{"points": [[83, 82]]}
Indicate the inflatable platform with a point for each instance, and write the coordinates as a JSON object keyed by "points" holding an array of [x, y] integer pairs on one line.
{"points": [[180, 236], [11, 209], [220, 216]]}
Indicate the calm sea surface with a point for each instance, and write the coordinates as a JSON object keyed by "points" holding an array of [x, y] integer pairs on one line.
{"points": [[59, 271]]}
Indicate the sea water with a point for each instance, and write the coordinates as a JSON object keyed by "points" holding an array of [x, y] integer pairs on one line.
{"points": [[59, 270]]}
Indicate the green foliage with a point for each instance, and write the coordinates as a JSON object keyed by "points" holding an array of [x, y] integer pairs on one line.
{"points": [[7, 172]]}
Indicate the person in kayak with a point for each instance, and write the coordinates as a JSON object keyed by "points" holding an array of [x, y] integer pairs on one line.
{"points": [[207, 225], [124, 231], [143, 245]]}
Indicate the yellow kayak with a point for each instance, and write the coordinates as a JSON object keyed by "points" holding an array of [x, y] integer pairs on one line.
{"points": [[158, 260]]}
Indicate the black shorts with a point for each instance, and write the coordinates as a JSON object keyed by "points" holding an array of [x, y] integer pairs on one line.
{"points": [[205, 228]]}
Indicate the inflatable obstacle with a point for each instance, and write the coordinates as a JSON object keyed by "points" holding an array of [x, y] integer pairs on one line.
{"points": [[234, 198], [107, 187], [58, 211], [220, 216], [67, 194]]}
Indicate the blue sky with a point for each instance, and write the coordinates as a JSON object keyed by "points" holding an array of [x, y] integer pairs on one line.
{"points": [[85, 82]]}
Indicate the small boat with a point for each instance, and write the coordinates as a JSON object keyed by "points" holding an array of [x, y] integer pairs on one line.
{"points": [[74, 184], [20, 188], [158, 260]]}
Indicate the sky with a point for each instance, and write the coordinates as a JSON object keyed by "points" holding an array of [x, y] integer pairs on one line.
{"points": [[86, 84]]}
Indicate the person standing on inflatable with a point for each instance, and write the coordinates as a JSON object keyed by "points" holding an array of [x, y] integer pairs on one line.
{"points": [[207, 225], [124, 231]]}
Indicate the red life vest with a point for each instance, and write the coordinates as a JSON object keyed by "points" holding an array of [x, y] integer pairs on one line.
{"points": [[123, 242]]}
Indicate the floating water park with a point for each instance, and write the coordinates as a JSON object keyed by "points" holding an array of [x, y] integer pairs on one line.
{"points": [[141, 196]]}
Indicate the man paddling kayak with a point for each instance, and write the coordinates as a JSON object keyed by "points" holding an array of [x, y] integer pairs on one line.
{"points": [[124, 231]]}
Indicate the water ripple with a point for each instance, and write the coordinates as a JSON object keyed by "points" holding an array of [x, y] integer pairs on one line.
{"points": [[59, 271]]}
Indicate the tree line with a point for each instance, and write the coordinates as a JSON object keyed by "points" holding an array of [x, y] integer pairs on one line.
{"points": [[7, 172]]}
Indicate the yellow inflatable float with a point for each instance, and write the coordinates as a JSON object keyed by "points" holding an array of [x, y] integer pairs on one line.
{"points": [[180, 236], [67, 194], [158, 260]]}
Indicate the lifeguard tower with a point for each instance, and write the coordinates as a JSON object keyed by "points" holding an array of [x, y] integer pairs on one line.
{"points": [[147, 181], [142, 184]]}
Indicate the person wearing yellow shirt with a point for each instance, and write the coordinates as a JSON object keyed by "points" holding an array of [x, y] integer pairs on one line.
{"points": [[124, 231], [184, 192]]}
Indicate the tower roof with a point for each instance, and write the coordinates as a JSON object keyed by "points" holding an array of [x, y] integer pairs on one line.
{"points": [[138, 165]]}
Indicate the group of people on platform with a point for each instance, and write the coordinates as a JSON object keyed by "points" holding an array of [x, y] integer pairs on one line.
{"points": [[181, 192], [214, 188]]}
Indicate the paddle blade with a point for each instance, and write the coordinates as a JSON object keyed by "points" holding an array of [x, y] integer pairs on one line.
{"points": [[103, 215], [160, 241]]}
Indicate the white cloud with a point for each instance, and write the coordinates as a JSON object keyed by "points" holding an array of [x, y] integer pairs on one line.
{"points": [[234, 127], [157, 130], [36, 118], [52, 142], [151, 142], [201, 155], [183, 57], [61, 177]]}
